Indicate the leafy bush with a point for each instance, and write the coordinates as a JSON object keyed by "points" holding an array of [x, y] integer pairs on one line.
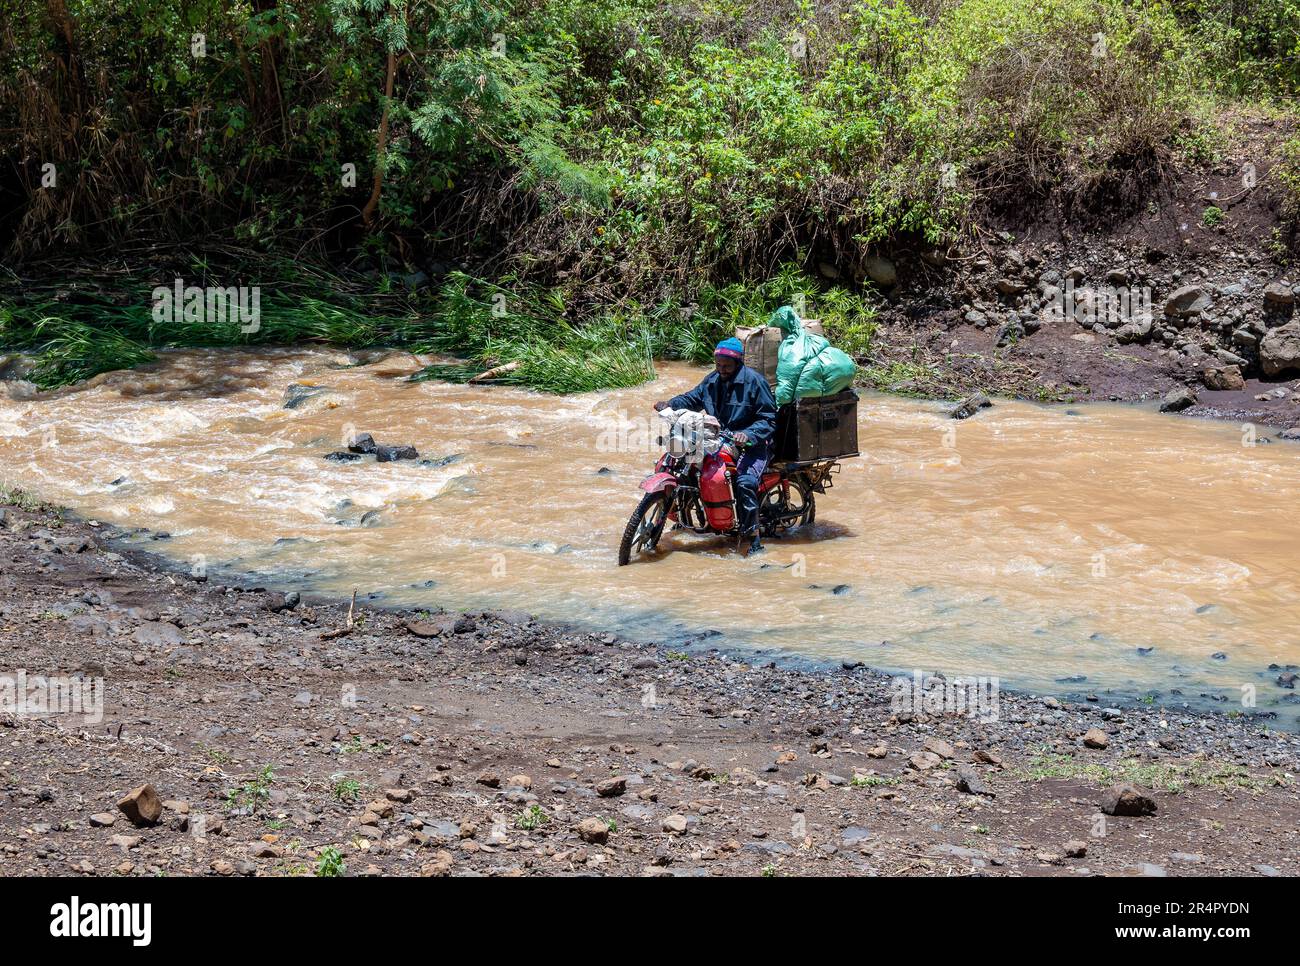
{"points": [[638, 176]]}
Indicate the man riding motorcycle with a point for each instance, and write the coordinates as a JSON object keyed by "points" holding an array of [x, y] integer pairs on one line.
{"points": [[740, 399]]}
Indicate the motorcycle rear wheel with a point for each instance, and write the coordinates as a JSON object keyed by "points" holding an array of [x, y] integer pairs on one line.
{"points": [[779, 514], [644, 527]]}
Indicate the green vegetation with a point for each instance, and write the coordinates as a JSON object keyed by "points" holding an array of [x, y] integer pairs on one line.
{"points": [[532, 818], [1165, 776], [82, 339], [358, 745], [872, 781], [1286, 238], [329, 863], [18, 497], [253, 794], [346, 789], [618, 180], [217, 756]]}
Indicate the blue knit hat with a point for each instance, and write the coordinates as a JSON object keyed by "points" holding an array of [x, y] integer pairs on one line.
{"points": [[731, 349]]}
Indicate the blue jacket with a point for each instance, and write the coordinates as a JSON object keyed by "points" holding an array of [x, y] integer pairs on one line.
{"points": [[743, 403]]}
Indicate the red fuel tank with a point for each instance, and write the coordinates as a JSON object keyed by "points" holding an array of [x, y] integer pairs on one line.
{"points": [[715, 493]]}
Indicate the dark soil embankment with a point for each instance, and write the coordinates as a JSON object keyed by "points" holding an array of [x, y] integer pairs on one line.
{"points": [[1025, 312]]}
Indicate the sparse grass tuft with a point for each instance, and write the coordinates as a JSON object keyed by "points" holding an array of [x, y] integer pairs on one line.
{"points": [[346, 789], [15, 496], [872, 781], [254, 794], [532, 818], [1163, 776]]}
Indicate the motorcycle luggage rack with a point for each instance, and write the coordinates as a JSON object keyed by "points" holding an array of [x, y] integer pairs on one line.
{"points": [[826, 461], [819, 472]]}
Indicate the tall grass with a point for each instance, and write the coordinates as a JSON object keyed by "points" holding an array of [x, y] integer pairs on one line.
{"points": [[559, 347], [559, 351], [492, 325], [78, 341], [76, 351]]}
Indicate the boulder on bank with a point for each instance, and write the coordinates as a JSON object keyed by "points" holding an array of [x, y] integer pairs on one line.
{"points": [[17, 367], [1136, 330], [880, 270], [1223, 378], [1279, 350], [1176, 400], [1126, 800], [141, 805], [1186, 301], [1278, 294]]}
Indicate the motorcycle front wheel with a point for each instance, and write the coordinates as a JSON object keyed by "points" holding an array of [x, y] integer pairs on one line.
{"points": [[644, 527]]}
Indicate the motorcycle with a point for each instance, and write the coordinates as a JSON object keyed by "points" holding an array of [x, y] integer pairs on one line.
{"points": [[692, 487]]}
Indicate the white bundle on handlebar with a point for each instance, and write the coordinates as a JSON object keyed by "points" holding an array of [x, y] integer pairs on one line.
{"points": [[690, 434]]}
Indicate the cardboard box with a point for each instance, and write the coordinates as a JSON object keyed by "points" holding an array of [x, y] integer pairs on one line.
{"points": [[761, 344]]}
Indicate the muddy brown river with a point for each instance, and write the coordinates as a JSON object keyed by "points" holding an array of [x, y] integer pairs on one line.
{"points": [[1072, 551]]}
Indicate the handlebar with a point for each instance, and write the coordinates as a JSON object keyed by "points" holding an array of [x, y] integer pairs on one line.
{"points": [[726, 435]]}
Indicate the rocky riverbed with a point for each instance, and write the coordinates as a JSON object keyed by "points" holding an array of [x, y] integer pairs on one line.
{"points": [[245, 732]]}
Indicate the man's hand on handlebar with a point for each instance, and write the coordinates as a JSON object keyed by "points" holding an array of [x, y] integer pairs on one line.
{"points": [[660, 406], [741, 439]]}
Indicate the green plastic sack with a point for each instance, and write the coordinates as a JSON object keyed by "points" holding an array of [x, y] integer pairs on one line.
{"points": [[806, 364]]}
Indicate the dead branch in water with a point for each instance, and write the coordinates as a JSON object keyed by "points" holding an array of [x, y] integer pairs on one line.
{"points": [[495, 372]]}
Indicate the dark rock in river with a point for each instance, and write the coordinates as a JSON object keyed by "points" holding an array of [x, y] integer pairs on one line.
{"points": [[1176, 400], [342, 457], [441, 460], [297, 394], [391, 454], [365, 445], [971, 405]]}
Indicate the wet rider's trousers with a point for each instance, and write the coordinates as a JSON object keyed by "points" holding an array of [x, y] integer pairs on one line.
{"points": [[749, 470]]}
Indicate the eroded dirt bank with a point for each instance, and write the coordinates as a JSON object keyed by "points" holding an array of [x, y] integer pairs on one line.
{"points": [[492, 744]]}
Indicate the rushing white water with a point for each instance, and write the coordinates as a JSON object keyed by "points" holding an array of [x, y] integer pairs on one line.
{"points": [[1071, 550]]}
